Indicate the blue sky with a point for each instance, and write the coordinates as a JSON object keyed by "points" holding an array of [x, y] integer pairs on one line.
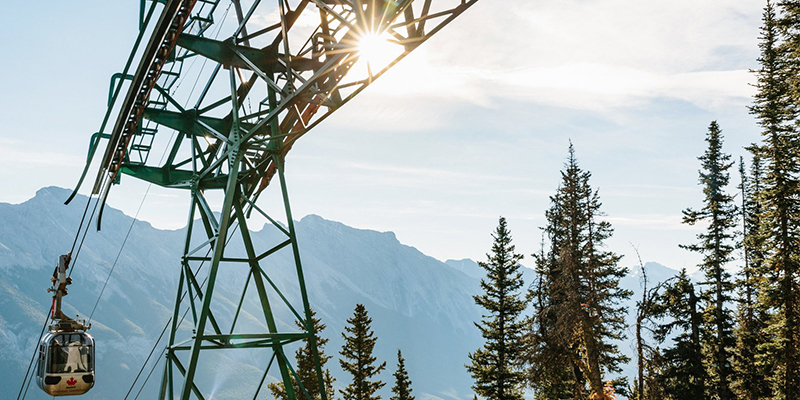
{"points": [[475, 124]]}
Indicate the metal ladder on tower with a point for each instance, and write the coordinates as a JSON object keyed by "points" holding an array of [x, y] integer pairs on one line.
{"points": [[168, 81]]}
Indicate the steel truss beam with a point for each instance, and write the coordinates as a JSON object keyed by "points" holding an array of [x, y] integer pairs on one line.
{"points": [[306, 83], [183, 356], [268, 86]]}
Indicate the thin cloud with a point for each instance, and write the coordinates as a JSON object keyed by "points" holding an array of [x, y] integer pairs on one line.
{"points": [[581, 86], [15, 155], [597, 56], [429, 172], [653, 222]]}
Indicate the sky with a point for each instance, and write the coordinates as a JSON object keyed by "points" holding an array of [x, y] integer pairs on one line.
{"points": [[474, 125]]}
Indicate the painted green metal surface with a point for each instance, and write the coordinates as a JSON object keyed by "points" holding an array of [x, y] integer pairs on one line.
{"points": [[226, 108]]}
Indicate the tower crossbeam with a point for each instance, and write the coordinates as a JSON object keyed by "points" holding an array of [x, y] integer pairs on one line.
{"points": [[258, 87]]}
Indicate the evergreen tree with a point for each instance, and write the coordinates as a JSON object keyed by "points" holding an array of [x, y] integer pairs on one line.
{"points": [[306, 369], [789, 25], [357, 358], [751, 316], [494, 365], [551, 375], [648, 358], [402, 384], [776, 107], [683, 376], [653, 369], [328, 379], [716, 246], [577, 302]]}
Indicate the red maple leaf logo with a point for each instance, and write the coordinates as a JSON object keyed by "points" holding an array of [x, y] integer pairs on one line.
{"points": [[71, 381]]}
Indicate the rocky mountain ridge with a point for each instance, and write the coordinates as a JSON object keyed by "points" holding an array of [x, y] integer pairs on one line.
{"points": [[418, 304]]}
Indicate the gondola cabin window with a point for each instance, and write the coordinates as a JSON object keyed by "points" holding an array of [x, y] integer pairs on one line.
{"points": [[40, 364], [71, 353]]}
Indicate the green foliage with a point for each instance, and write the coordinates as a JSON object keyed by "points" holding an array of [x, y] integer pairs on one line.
{"points": [[653, 368], [716, 245], [649, 363], [749, 365], [357, 358], [789, 26], [577, 316], [402, 383], [549, 372], [306, 367], [494, 366], [682, 375], [776, 109]]}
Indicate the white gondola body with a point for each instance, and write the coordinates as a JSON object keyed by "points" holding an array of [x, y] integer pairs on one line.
{"points": [[65, 364]]}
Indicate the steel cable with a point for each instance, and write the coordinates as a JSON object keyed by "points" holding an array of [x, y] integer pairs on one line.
{"points": [[148, 358], [119, 253], [147, 191], [22, 394], [28, 376], [150, 373], [35, 350], [155, 345]]}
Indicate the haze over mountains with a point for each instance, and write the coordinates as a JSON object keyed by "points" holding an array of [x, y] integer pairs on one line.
{"points": [[418, 304]]}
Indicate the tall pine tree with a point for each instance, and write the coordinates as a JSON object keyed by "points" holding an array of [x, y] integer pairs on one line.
{"points": [[494, 367], [306, 369], [749, 365], [402, 383], [648, 358], [789, 24], [578, 312], [716, 245], [357, 358], [683, 376], [775, 107], [551, 375]]}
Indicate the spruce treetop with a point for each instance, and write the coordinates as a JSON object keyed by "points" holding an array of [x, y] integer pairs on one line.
{"points": [[719, 209], [495, 366], [503, 277], [578, 300], [402, 383], [306, 367], [357, 358], [716, 245]]}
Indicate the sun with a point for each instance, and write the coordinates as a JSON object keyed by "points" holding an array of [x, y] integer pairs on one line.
{"points": [[377, 50]]}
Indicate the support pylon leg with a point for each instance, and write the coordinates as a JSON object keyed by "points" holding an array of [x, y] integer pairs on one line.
{"points": [[312, 339]]}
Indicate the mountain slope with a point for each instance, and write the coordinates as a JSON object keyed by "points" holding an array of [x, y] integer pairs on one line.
{"points": [[418, 304]]}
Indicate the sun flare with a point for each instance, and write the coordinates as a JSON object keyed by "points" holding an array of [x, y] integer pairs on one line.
{"points": [[376, 50]]}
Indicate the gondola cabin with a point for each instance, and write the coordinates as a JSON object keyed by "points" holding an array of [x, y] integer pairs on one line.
{"points": [[65, 364]]}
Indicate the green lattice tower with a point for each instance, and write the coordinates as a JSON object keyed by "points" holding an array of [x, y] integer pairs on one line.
{"points": [[218, 142]]}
